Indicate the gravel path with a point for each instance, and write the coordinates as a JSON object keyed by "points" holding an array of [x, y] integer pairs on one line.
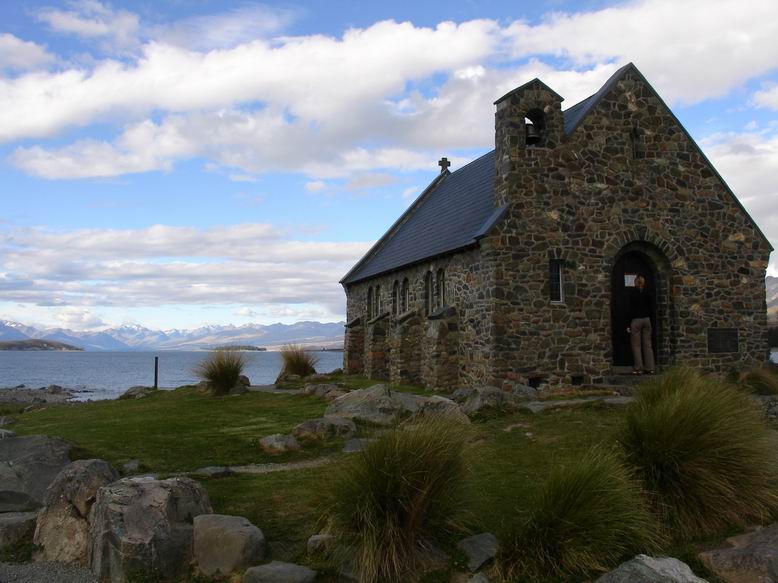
{"points": [[44, 572]]}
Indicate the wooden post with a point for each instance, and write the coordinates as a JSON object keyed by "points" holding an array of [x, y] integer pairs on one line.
{"points": [[156, 372]]}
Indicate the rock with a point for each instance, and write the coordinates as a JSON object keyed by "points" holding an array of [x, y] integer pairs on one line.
{"points": [[278, 443], [332, 395], [16, 527], [355, 445], [7, 433], [478, 578], [488, 397], [320, 544], [27, 466], [319, 390], [381, 406], [214, 471], [645, 569], [524, 392], [62, 529], [317, 377], [243, 380], [479, 549], [138, 393], [284, 377], [238, 390], [131, 467], [55, 389], [752, 556], [336, 371], [324, 428], [541, 406], [279, 572], [6, 421], [144, 525], [224, 544]]}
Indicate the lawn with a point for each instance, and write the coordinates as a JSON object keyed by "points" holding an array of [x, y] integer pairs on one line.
{"points": [[175, 431]]}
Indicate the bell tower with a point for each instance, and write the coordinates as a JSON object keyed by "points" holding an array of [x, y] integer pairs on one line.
{"points": [[529, 126]]}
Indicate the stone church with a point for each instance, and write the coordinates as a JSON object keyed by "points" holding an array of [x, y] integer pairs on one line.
{"points": [[515, 267]]}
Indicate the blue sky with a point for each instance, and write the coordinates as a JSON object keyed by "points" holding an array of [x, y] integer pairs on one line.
{"points": [[179, 163]]}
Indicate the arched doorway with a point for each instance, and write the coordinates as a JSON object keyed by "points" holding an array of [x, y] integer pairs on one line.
{"points": [[628, 265]]}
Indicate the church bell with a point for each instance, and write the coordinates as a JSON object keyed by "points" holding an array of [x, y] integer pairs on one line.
{"points": [[533, 135]]}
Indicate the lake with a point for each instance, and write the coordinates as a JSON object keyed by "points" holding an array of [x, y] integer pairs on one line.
{"points": [[106, 375]]}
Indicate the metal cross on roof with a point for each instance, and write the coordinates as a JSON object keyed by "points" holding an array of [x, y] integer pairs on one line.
{"points": [[444, 164]]}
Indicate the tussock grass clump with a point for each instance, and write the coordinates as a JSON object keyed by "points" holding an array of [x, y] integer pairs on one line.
{"points": [[703, 450], [589, 515], [221, 369], [298, 361], [760, 380], [395, 497]]}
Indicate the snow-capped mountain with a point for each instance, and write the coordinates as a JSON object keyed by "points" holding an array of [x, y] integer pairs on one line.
{"points": [[135, 337], [772, 297]]}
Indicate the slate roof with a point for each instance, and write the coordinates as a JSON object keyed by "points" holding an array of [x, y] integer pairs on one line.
{"points": [[457, 208]]}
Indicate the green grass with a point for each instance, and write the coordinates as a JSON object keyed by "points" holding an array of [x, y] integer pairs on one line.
{"points": [[176, 430]]}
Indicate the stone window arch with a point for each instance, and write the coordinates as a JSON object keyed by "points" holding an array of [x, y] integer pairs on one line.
{"points": [[396, 298], [405, 293], [369, 302], [440, 288], [638, 141], [377, 301], [429, 299]]}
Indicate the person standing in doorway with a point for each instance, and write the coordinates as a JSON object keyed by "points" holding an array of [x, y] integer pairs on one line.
{"points": [[641, 306]]}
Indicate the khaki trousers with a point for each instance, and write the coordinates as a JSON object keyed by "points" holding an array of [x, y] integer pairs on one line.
{"points": [[640, 334]]}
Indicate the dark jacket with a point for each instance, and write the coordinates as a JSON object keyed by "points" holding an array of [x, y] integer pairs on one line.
{"points": [[641, 304]]}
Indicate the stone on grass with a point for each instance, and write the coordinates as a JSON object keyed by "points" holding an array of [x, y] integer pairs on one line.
{"points": [[214, 471], [244, 381], [278, 443], [752, 556], [27, 466], [487, 398], [17, 527], [524, 392], [479, 549], [645, 569], [62, 530], [319, 390], [279, 572], [6, 421], [131, 467], [138, 392], [7, 433], [320, 544], [381, 406], [324, 428], [478, 578], [337, 371], [332, 395], [224, 544], [238, 390], [144, 525]]}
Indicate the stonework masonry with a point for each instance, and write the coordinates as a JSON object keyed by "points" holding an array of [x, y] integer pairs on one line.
{"points": [[627, 179]]}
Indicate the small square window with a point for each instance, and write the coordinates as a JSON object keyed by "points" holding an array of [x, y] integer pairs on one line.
{"points": [[555, 280]]}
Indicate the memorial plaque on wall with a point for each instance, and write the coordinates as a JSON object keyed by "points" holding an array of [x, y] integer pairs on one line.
{"points": [[722, 340]]}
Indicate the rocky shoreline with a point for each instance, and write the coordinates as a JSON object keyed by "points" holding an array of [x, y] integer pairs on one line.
{"points": [[22, 394]]}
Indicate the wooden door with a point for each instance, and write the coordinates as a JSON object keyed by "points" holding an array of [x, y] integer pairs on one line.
{"points": [[626, 268]]}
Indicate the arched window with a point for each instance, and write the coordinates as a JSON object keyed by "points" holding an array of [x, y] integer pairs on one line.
{"points": [[428, 294], [377, 301], [404, 296], [369, 303], [396, 298], [638, 144], [440, 288]]}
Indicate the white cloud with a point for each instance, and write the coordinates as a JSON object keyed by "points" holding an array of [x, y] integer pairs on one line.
{"points": [[227, 29], [411, 192], [164, 266], [78, 319], [18, 54], [767, 97], [368, 181], [315, 186], [245, 312], [689, 50], [91, 19]]}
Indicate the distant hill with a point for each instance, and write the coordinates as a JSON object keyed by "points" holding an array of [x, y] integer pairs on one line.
{"points": [[772, 298], [135, 337], [35, 345]]}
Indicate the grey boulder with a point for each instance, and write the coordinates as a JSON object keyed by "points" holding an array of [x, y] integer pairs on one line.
{"points": [[7, 433], [144, 526], [16, 527], [27, 466], [320, 544], [752, 556], [138, 393], [324, 428], [381, 406], [319, 390], [278, 443], [279, 572], [224, 544], [62, 529], [479, 549], [244, 381], [487, 397], [645, 569]]}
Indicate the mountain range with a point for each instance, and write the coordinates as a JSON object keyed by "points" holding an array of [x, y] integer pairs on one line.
{"points": [[772, 298], [135, 337]]}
